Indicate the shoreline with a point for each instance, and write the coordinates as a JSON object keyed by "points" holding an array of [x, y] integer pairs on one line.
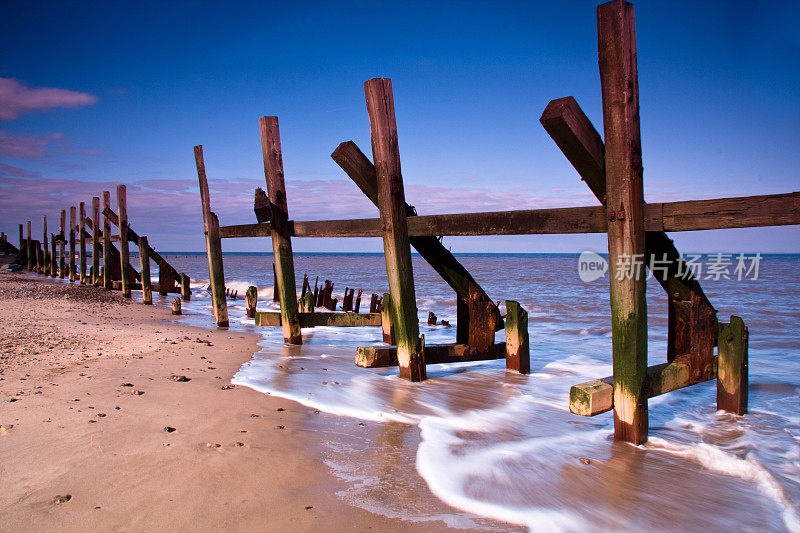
{"points": [[77, 428]]}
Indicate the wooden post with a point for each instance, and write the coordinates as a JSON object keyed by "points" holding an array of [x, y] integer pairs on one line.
{"points": [[144, 260], [96, 240], [186, 291], [39, 258], [276, 297], [124, 253], [107, 281], [213, 244], [518, 356], [307, 303], [29, 247], [386, 320], [82, 242], [23, 247], [73, 271], [176, 306], [281, 242], [732, 370], [357, 305], [250, 301], [625, 210], [392, 206], [53, 257], [46, 257], [62, 269]]}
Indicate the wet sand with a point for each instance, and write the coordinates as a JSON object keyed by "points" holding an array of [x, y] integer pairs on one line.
{"points": [[87, 392]]}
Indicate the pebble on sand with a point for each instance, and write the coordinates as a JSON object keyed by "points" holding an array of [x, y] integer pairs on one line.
{"points": [[62, 499]]}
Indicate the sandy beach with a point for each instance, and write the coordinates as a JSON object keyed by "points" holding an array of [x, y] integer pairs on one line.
{"points": [[88, 395]]}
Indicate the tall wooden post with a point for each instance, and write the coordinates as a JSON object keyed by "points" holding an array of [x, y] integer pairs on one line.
{"points": [[732, 372], [518, 354], [396, 247], [625, 210], [23, 246], [186, 291], [53, 257], [29, 247], [281, 242], [250, 301], [72, 224], [82, 242], [144, 260], [62, 229], [213, 244], [95, 239], [124, 252], [45, 248], [107, 281], [386, 319]]}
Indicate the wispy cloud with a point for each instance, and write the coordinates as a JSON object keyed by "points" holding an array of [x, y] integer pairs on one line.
{"points": [[26, 147], [9, 171], [17, 99]]}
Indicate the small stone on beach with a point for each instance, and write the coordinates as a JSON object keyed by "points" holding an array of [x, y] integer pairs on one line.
{"points": [[180, 379], [585, 461], [62, 499], [213, 445], [169, 429], [137, 392]]}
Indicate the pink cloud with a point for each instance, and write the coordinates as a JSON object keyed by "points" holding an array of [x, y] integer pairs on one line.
{"points": [[17, 99], [13, 146], [7, 171]]}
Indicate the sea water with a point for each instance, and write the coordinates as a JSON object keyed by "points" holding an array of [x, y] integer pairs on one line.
{"points": [[496, 444]]}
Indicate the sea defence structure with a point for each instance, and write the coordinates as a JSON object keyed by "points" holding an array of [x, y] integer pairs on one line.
{"points": [[610, 165], [94, 232]]}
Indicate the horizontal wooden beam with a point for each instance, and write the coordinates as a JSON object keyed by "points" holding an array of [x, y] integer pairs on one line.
{"points": [[691, 215], [310, 320], [379, 357], [595, 397]]}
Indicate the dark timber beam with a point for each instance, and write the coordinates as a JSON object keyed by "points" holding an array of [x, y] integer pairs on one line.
{"points": [[361, 170]]}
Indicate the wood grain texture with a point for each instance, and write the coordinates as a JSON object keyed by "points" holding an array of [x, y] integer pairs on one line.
{"points": [[144, 264], [107, 278], [82, 243], [281, 236], [124, 250], [96, 240], [396, 247], [72, 226], [518, 355], [625, 211], [732, 364], [379, 357]]}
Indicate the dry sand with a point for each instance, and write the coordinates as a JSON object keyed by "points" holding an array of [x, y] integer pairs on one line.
{"points": [[71, 359]]}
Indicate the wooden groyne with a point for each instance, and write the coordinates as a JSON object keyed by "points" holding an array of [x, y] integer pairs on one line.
{"points": [[610, 165], [83, 234]]}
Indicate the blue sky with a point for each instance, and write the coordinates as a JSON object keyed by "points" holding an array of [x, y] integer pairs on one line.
{"points": [[143, 83]]}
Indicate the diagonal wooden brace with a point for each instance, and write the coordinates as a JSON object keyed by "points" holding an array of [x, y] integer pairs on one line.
{"points": [[692, 318], [361, 170]]}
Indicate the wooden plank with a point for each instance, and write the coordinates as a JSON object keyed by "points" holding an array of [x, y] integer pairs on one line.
{"points": [[624, 192], [250, 301], [82, 242], [72, 223], [53, 256], [124, 253], [144, 260], [310, 320], [380, 357], [281, 235], [722, 213], [46, 269], [216, 274], [692, 318], [596, 396], [29, 248], [186, 290], [96, 239], [518, 356], [262, 206], [733, 373], [107, 278], [396, 246], [361, 170]]}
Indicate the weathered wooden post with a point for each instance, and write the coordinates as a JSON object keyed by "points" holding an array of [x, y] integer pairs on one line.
{"points": [[186, 291], [276, 296], [82, 242], [23, 246], [62, 268], [176, 306], [124, 252], [95, 240], [213, 244], [46, 256], [625, 211], [250, 301], [307, 303], [281, 241], [107, 281], [73, 271], [29, 247], [144, 260], [518, 355], [386, 320], [357, 304], [732, 371], [39, 258], [392, 206], [53, 257]]}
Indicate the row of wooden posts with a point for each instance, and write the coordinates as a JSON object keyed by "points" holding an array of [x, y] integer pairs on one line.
{"points": [[610, 165], [51, 257]]}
